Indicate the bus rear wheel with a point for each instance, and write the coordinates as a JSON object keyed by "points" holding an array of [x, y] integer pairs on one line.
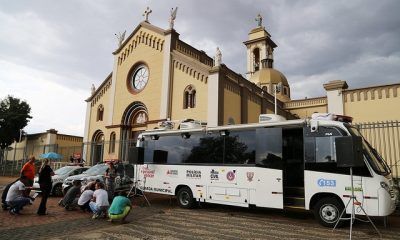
{"points": [[185, 197], [327, 211]]}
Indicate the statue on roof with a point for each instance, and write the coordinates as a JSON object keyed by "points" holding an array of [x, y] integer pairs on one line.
{"points": [[218, 58], [259, 20], [121, 38], [172, 17], [147, 13], [93, 89]]}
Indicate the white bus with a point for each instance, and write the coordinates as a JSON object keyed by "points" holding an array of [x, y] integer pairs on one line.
{"points": [[275, 163]]}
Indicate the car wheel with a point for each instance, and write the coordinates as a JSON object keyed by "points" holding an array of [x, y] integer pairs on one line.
{"points": [[327, 211], [185, 197], [57, 190]]}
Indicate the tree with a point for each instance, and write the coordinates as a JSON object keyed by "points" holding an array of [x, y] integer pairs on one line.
{"points": [[14, 115]]}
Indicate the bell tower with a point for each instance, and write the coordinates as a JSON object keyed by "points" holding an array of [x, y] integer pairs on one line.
{"points": [[260, 63], [260, 49]]}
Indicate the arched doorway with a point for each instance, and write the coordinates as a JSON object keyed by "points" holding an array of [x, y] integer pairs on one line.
{"points": [[97, 147], [134, 120]]}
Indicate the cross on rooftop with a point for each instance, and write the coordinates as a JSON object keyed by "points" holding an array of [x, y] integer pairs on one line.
{"points": [[147, 13]]}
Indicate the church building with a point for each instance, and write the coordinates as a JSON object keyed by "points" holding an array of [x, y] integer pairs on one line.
{"points": [[158, 78]]}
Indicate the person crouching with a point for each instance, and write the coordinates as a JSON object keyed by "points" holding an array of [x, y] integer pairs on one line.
{"points": [[17, 196], [86, 196], [70, 200], [99, 203], [120, 208]]}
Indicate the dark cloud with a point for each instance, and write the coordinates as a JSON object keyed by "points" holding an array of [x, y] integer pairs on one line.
{"points": [[318, 41]]}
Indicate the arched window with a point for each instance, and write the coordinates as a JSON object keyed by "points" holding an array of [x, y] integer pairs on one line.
{"points": [[100, 113], [256, 59], [189, 97], [112, 143]]}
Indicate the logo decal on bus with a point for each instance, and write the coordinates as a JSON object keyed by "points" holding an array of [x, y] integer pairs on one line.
{"points": [[161, 190], [173, 172], [356, 189], [326, 182], [193, 174], [250, 176], [148, 173], [230, 175], [214, 175]]}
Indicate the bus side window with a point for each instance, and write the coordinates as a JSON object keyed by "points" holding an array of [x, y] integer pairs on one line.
{"points": [[240, 147], [205, 148], [148, 145], [325, 149], [269, 147], [319, 146]]}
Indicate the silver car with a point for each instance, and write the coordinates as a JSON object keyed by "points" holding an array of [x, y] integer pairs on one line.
{"points": [[123, 181], [59, 176]]}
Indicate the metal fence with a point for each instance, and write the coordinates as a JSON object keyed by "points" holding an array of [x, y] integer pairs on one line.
{"points": [[12, 159], [385, 138]]}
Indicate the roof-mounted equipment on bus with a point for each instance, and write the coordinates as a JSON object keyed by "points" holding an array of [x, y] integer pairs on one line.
{"points": [[166, 125], [331, 117], [190, 124], [267, 118], [323, 116], [327, 117], [342, 118]]}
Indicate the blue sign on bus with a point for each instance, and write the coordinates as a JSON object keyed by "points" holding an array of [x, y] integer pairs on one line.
{"points": [[326, 182]]}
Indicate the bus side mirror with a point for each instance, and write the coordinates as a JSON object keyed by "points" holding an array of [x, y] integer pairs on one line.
{"points": [[349, 151]]}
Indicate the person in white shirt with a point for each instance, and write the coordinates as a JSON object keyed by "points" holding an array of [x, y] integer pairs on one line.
{"points": [[17, 196], [99, 203], [86, 196]]}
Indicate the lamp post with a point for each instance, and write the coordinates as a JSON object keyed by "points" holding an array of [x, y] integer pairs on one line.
{"points": [[15, 143], [277, 89]]}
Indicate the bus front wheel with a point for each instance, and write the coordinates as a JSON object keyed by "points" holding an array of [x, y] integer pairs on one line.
{"points": [[185, 197], [327, 211]]}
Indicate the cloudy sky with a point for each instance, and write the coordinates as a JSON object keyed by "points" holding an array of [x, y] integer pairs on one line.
{"points": [[51, 52]]}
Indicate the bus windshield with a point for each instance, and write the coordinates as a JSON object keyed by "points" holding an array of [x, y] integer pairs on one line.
{"points": [[373, 157]]}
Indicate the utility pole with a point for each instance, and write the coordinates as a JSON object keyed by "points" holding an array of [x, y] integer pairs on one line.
{"points": [[15, 143], [277, 89]]}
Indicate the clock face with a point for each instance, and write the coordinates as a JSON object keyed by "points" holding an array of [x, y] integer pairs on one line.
{"points": [[140, 77]]}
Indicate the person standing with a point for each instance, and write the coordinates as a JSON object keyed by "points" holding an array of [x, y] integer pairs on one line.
{"points": [[28, 170], [45, 184], [110, 175]]}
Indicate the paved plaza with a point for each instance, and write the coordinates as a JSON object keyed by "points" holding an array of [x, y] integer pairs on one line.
{"points": [[165, 220]]}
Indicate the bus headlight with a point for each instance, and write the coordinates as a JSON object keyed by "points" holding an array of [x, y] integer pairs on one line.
{"points": [[385, 186]]}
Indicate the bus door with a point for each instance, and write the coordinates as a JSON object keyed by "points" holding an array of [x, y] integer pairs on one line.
{"points": [[293, 170], [269, 177]]}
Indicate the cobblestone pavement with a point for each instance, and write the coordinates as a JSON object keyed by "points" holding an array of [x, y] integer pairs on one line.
{"points": [[164, 220], [217, 223]]}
